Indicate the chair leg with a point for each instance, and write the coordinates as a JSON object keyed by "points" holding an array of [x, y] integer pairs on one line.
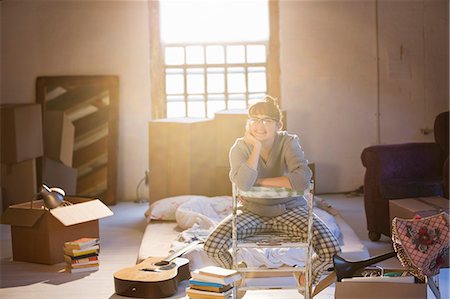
{"points": [[374, 236]]}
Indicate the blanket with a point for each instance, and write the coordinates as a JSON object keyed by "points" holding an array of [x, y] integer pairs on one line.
{"points": [[199, 215]]}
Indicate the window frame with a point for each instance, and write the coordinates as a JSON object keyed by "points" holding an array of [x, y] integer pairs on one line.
{"points": [[158, 69]]}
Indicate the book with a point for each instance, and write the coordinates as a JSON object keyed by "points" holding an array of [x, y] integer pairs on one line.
{"points": [[83, 256], [81, 243], [198, 294], [222, 280], [206, 283], [211, 289], [88, 260], [78, 252], [217, 271], [78, 270], [79, 266]]}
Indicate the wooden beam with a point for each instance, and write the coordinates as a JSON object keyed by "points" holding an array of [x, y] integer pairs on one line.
{"points": [[273, 63], [157, 76]]}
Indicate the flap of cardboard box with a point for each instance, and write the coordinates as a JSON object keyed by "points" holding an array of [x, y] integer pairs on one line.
{"points": [[81, 212], [22, 216]]}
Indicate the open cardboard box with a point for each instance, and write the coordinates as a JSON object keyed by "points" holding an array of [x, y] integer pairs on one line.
{"points": [[376, 290], [38, 235], [349, 289]]}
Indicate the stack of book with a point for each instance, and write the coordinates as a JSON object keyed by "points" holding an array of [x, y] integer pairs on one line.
{"points": [[212, 282], [81, 255]]}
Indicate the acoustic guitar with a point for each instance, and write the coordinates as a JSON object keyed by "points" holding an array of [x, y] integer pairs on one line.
{"points": [[155, 277]]}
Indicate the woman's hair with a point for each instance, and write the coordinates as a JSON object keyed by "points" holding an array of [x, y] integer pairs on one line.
{"points": [[268, 106]]}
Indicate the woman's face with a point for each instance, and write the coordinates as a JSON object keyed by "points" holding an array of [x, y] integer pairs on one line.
{"points": [[262, 127]]}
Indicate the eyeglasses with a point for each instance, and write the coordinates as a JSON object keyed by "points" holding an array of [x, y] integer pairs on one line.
{"points": [[265, 121]]}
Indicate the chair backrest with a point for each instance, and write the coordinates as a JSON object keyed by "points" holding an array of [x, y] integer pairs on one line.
{"points": [[441, 131]]}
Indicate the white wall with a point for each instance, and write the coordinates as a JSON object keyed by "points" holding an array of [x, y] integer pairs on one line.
{"points": [[50, 38], [329, 79], [328, 72]]}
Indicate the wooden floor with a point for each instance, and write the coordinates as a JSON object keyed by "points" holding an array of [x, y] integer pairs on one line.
{"points": [[120, 239]]}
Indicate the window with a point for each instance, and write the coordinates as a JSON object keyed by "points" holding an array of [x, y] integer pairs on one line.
{"points": [[197, 72]]}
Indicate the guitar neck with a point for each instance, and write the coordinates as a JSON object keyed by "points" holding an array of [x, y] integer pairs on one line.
{"points": [[183, 250]]}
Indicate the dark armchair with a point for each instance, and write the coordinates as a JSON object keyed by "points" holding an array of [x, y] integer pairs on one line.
{"points": [[403, 171]]}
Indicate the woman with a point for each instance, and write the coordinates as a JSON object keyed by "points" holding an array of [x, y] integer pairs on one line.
{"points": [[267, 156]]}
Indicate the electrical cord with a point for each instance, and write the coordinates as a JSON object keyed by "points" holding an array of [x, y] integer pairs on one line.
{"points": [[138, 198]]}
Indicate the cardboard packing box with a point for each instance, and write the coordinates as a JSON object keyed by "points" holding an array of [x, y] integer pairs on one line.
{"points": [[59, 137], [18, 182], [56, 174], [376, 290], [21, 132], [38, 234], [381, 287], [423, 206]]}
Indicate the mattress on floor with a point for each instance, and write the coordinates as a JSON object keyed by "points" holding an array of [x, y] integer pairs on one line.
{"points": [[159, 236]]}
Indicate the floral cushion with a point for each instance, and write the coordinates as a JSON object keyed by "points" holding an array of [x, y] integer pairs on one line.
{"points": [[421, 244]]}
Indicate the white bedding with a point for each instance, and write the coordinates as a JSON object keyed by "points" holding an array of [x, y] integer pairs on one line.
{"points": [[196, 216]]}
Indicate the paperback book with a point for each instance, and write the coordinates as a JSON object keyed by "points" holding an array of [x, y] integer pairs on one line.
{"points": [[79, 252], [196, 275], [199, 294], [81, 243]]}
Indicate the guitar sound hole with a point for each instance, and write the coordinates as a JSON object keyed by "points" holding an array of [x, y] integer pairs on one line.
{"points": [[162, 263]]}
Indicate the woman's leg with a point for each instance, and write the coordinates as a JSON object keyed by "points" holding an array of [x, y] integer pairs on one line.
{"points": [[324, 243], [219, 242]]}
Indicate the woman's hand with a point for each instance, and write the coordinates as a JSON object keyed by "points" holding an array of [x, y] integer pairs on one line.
{"points": [[249, 138]]}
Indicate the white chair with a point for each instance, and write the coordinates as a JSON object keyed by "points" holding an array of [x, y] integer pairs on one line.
{"points": [[273, 240]]}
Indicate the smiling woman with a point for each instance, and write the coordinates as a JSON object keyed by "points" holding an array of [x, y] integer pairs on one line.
{"points": [[212, 56]]}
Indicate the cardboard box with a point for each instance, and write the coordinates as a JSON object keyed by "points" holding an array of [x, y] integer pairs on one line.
{"points": [[18, 182], [59, 137], [376, 290], [56, 174], [423, 206], [38, 234], [21, 132]]}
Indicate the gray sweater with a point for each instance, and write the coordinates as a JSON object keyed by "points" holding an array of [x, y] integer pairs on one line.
{"points": [[286, 159]]}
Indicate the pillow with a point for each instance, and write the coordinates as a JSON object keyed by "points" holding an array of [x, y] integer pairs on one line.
{"points": [[164, 209]]}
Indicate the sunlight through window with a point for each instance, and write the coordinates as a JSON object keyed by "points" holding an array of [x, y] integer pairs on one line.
{"points": [[196, 21], [215, 54]]}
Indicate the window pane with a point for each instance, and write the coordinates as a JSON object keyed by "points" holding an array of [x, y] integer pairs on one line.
{"points": [[214, 106], [236, 105], [256, 53], [215, 54], [174, 55], [257, 82], [236, 80], [195, 55], [235, 54], [195, 80], [255, 97], [196, 107], [176, 109], [175, 98], [216, 80], [184, 21], [174, 84]]}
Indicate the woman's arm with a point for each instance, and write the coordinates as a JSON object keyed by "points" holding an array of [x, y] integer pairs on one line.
{"points": [[242, 172], [281, 181], [299, 173]]}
